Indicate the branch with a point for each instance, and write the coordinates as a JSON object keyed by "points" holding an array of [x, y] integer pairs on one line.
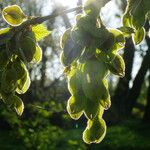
{"points": [[39, 20], [34, 21]]}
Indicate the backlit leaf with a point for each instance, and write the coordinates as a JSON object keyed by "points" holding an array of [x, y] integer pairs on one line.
{"points": [[13, 15], [38, 54], [40, 32], [18, 105], [139, 36]]}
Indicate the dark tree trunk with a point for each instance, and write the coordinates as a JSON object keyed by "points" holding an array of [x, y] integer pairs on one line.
{"points": [[146, 117], [119, 98], [43, 68], [138, 81]]}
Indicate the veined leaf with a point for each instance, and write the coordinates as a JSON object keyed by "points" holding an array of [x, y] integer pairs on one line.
{"points": [[64, 38], [18, 105], [117, 66], [119, 39], [71, 50], [27, 46], [23, 83], [4, 59], [139, 36], [92, 7], [5, 35], [127, 31], [40, 31], [38, 54], [75, 107], [4, 30], [13, 15], [95, 131]]}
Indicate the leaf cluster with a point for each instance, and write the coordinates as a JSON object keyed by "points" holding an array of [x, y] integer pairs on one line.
{"points": [[90, 53], [17, 49]]}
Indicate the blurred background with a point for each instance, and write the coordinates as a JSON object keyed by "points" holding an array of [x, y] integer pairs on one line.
{"points": [[45, 124]]}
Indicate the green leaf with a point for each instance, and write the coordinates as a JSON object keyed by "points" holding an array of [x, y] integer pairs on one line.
{"points": [[95, 131], [5, 35], [91, 112], [117, 66], [119, 39], [13, 15], [40, 32], [74, 107], [77, 17], [27, 47], [7, 98], [62, 58], [8, 81], [127, 20], [20, 68], [4, 59], [64, 37], [127, 31], [18, 104], [72, 51], [139, 36], [147, 6], [80, 36], [105, 99], [87, 54], [92, 7], [23, 84], [38, 54], [93, 71], [105, 39], [148, 15], [139, 16], [89, 26], [135, 15], [4, 30], [74, 82]]}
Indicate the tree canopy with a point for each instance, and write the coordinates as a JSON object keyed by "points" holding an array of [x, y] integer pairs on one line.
{"points": [[89, 54]]}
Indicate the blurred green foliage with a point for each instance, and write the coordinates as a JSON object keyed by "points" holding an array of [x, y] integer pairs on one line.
{"points": [[38, 130], [46, 126], [130, 135]]}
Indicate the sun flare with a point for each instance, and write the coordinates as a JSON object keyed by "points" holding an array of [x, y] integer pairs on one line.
{"points": [[69, 3]]}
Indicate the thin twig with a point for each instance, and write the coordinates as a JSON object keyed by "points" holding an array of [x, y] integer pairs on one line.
{"points": [[39, 20], [34, 21]]}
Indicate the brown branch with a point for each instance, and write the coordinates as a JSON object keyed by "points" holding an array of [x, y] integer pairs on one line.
{"points": [[34, 21], [39, 20]]}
